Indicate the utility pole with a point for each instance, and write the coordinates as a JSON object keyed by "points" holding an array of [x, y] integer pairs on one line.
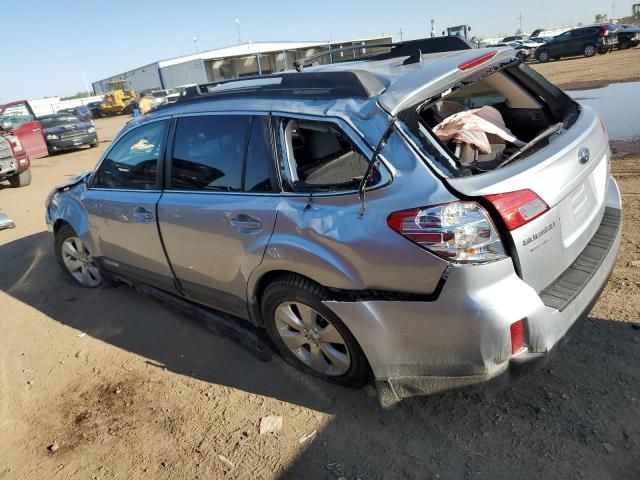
{"points": [[86, 84], [401, 33], [433, 28], [238, 25], [520, 19], [613, 11], [195, 42]]}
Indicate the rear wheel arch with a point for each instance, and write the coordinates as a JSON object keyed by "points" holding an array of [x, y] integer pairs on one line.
{"points": [[261, 285], [300, 290]]}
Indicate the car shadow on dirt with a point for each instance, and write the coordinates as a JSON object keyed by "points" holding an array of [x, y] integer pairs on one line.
{"points": [[577, 419]]}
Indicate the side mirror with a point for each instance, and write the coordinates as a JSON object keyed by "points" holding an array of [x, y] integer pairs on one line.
{"points": [[6, 222], [6, 125]]}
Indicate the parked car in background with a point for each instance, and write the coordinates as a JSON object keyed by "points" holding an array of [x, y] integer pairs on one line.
{"points": [[628, 36], [523, 52], [585, 41], [82, 112], [18, 118], [332, 208], [158, 98], [514, 37], [175, 93], [540, 40], [14, 161], [6, 222], [96, 109], [64, 131]]}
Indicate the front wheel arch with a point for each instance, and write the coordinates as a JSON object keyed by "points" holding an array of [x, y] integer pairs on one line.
{"points": [[58, 224]]}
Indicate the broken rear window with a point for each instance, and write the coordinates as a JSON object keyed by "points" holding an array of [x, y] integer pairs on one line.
{"points": [[489, 121]]}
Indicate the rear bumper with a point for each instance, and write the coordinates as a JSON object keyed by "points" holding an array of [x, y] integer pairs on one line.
{"points": [[58, 145], [462, 339]]}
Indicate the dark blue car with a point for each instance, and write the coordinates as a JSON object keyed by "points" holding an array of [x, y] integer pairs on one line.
{"points": [[63, 132]]}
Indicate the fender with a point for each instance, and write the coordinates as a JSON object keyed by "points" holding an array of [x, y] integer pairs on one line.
{"points": [[299, 255], [296, 254], [68, 207]]}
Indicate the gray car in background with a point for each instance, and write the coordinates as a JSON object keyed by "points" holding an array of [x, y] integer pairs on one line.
{"points": [[354, 212]]}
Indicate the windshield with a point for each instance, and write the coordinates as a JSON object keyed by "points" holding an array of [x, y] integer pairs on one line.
{"points": [[57, 120], [159, 94]]}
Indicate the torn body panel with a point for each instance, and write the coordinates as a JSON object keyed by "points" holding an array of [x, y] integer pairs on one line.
{"points": [[462, 338]]}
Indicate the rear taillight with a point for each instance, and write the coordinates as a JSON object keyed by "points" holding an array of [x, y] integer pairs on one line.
{"points": [[474, 62], [517, 336], [16, 146], [604, 31], [457, 231], [518, 208]]}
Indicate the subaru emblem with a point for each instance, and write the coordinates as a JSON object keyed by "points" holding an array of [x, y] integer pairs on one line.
{"points": [[584, 155]]}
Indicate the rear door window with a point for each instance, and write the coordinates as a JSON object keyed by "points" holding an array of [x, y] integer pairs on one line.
{"points": [[321, 156], [209, 152]]}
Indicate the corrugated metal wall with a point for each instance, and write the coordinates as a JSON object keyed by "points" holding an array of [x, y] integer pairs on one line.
{"points": [[184, 74], [140, 79]]}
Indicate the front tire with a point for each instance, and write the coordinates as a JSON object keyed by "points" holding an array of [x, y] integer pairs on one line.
{"points": [[309, 335], [543, 56], [21, 179], [76, 260]]}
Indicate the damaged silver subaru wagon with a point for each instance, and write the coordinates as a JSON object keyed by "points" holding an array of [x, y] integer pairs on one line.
{"points": [[432, 220]]}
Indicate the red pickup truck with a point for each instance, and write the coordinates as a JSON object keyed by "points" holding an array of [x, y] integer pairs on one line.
{"points": [[14, 161], [18, 118]]}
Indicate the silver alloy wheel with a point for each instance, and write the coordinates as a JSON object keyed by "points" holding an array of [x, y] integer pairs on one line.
{"points": [[312, 338], [543, 56], [589, 50], [78, 261]]}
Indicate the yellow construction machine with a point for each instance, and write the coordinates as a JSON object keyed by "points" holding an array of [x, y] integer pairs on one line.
{"points": [[119, 99]]}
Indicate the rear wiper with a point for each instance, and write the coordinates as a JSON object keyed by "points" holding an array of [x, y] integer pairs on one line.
{"points": [[541, 136]]}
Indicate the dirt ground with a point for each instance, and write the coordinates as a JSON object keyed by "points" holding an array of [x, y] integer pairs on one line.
{"points": [[128, 389], [583, 73]]}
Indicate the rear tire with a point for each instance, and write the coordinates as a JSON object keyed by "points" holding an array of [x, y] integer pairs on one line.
{"points": [[93, 145], [318, 343], [589, 50], [21, 179], [543, 56]]}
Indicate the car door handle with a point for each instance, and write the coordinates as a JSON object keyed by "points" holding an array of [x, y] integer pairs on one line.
{"points": [[37, 129], [141, 214], [245, 223]]}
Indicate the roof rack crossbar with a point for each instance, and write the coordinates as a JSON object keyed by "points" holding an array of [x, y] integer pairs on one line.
{"points": [[338, 84], [398, 49], [308, 61]]}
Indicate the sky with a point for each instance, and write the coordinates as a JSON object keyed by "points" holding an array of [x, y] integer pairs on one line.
{"points": [[50, 45]]}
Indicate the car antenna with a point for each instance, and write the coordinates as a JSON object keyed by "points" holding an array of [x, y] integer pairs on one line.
{"points": [[362, 189]]}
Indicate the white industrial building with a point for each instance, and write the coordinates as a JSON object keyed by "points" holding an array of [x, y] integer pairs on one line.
{"points": [[241, 60]]}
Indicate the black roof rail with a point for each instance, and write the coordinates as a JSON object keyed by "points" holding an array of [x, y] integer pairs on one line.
{"points": [[338, 84], [398, 49]]}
